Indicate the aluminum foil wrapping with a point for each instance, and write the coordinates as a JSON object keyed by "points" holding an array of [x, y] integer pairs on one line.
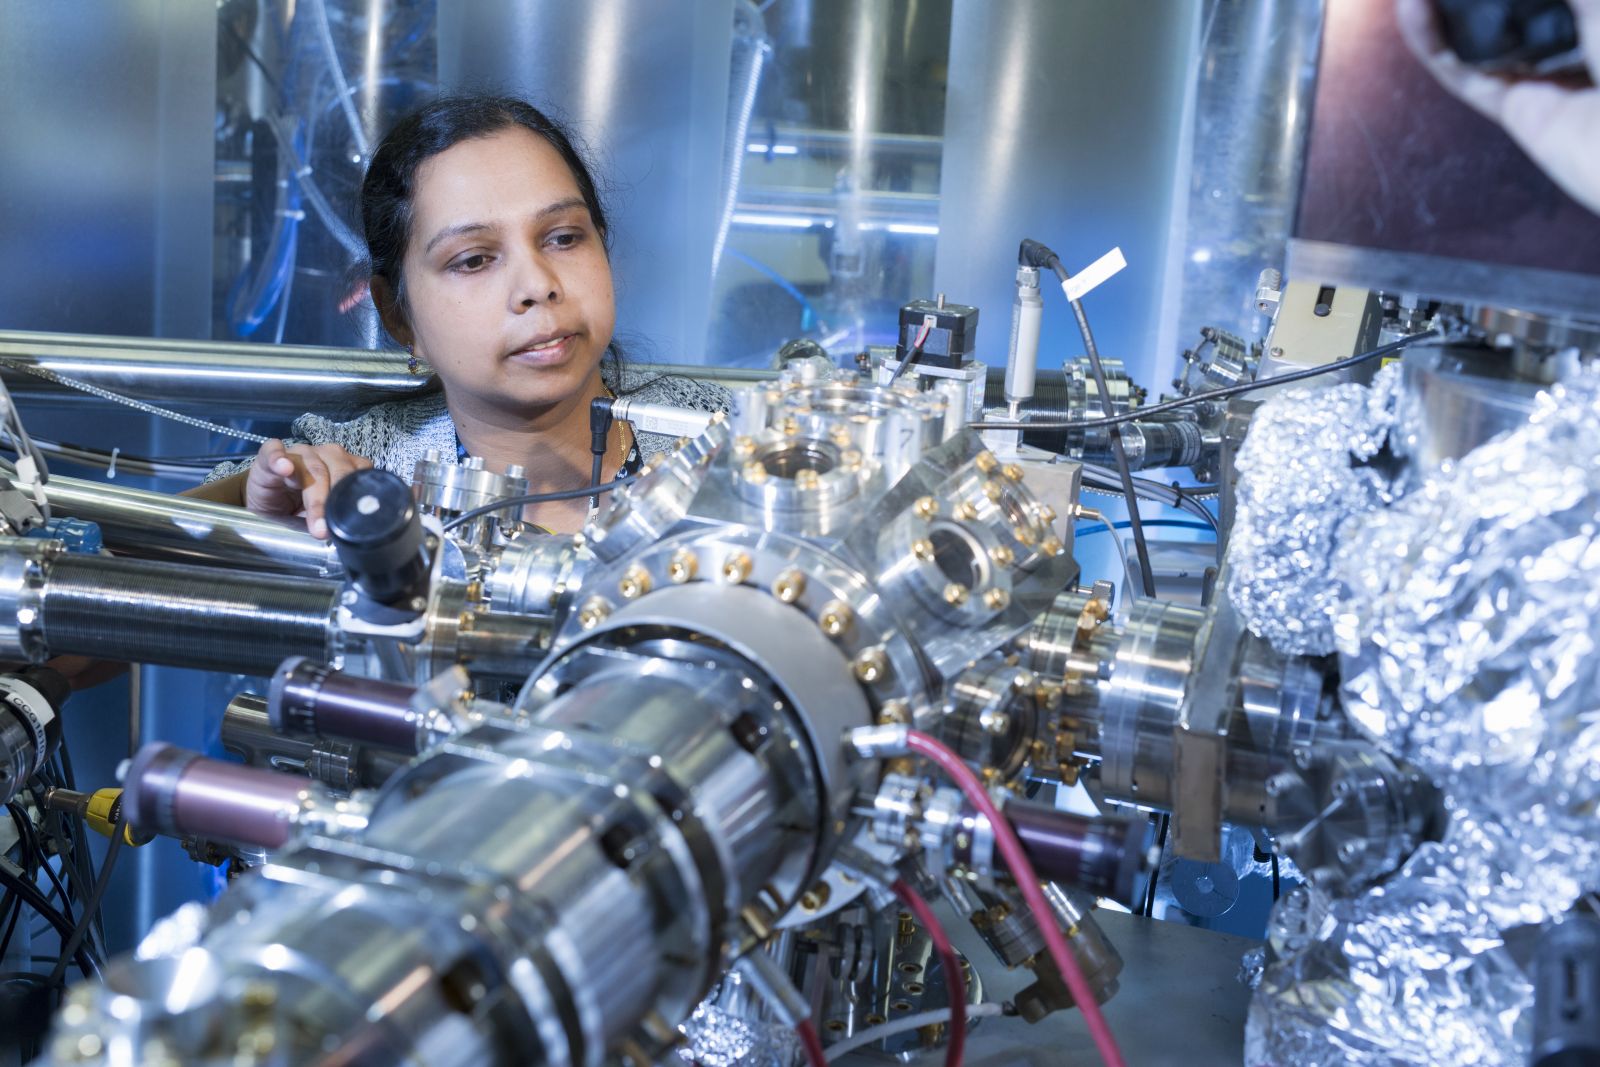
{"points": [[1412, 972], [1300, 478], [1469, 648], [720, 1038]]}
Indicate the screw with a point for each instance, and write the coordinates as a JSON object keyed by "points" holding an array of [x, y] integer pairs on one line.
{"points": [[996, 599], [985, 462], [806, 479], [926, 507], [744, 447], [836, 618], [922, 548], [635, 582], [871, 665], [966, 511], [593, 612], [736, 568], [1024, 535], [894, 713], [683, 566], [790, 585], [955, 594], [993, 491], [1012, 472], [790, 426], [851, 458], [1050, 546], [1002, 555], [754, 472]]}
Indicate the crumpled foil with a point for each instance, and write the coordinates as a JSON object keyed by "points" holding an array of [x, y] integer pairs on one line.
{"points": [[1299, 480], [1467, 636], [719, 1038], [1411, 972], [1470, 647]]}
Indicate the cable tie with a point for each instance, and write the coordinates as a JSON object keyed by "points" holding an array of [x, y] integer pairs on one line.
{"points": [[111, 469]]}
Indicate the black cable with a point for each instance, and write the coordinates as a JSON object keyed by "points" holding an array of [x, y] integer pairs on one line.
{"points": [[1155, 872], [91, 907], [1274, 876], [12, 879], [911, 357], [1027, 256], [1213, 394], [11, 927], [27, 836], [82, 858], [600, 419], [539, 498]]}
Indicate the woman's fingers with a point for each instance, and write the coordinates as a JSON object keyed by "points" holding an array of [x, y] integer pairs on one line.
{"points": [[295, 480]]}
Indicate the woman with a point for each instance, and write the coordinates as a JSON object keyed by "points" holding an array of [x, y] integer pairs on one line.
{"points": [[489, 258]]}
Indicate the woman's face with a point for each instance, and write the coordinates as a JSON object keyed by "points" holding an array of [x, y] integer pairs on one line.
{"points": [[508, 286]]}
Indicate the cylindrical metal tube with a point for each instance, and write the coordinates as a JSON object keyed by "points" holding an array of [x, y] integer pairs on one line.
{"points": [[1099, 856], [248, 734], [183, 530], [501, 646], [139, 612], [171, 791], [313, 698]]}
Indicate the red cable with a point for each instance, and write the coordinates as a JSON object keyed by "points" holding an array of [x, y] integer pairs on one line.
{"points": [[955, 983], [811, 1043], [1027, 880]]}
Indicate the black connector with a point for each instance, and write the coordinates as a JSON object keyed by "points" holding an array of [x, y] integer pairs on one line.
{"points": [[600, 419], [1035, 254]]}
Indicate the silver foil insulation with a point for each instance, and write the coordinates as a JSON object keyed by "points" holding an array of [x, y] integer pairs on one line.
{"points": [[1466, 615]]}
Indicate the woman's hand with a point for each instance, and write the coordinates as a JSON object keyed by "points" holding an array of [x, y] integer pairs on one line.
{"points": [[1556, 124], [295, 480]]}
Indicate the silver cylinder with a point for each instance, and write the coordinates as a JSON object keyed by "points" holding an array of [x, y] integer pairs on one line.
{"points": [[158, 526]]}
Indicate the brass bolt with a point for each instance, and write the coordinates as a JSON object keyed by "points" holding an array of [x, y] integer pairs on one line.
{"points": [[1002, 555], [806, 479], [851, 458], [996, 599], [1012, 472], [922, 548], [635, 583], [840, 436], [836, 618], [816, 898], [736, 568], [790, 426], [993, 491], [754, 472], [955, 594], [986, 462], [1024, 534], [894, 713], [871, 665], [926, 507], [683, 567], [790, 585], [1050, 546], [744, 447], [593, 612], [966, 511], [1047, 514]]}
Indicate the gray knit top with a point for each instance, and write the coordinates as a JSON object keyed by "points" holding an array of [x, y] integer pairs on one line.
{"points": [[394, 436]]}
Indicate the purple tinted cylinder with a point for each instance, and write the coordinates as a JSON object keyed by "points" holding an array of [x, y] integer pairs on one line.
{"points": [[313, 698], [1099, 855], [172, 791]]}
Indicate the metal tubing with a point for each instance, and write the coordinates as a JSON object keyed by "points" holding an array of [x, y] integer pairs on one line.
{"points": [[1099, 856], [138, 612], [146, 525], [175, 792], [313, 698]]}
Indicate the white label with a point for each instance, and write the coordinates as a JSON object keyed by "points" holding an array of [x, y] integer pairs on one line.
{"points": [[1079, 285]]}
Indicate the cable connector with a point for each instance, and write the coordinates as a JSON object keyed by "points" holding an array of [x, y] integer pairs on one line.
{"points": [[877, 742], [1036, 254]]}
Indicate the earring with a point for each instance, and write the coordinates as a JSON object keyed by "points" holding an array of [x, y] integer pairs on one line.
{"points": [[413, 364]]}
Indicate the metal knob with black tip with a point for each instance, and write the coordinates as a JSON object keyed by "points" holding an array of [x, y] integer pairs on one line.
{"points": [[374, 526]]}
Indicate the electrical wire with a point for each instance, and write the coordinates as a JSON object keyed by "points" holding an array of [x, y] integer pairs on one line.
{"points": [[91, 907], [538, 498], [1104, 527], [913, 355], [1027, 881], [811, 1043], [1211, 394], [12, 878], [1162, 825], [954, 983], [1118, 451], [883, 1031]]}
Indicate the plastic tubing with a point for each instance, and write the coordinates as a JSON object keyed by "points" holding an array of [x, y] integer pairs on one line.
{"points": [[883, 1031], [811, 1043], [1027, 881]]}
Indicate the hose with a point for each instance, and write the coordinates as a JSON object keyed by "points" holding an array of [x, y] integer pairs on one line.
{"points": [[883, 1031]]}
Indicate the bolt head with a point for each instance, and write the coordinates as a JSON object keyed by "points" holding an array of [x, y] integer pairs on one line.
{"points": [[993, 492], [996, 599], [871, 665], [635, 583], [966, 511], [1011, 472], [807, 479], [593, 612], [754, 472], [955, 594], [683, 566], [736, 567], [926, 507], [922, 548], [986, 462], [790, 585], [744, 447], [1002, 555], [836, 618]]}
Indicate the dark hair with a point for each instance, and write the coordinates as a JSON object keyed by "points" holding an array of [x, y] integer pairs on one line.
{"points": [[390, 184]]}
